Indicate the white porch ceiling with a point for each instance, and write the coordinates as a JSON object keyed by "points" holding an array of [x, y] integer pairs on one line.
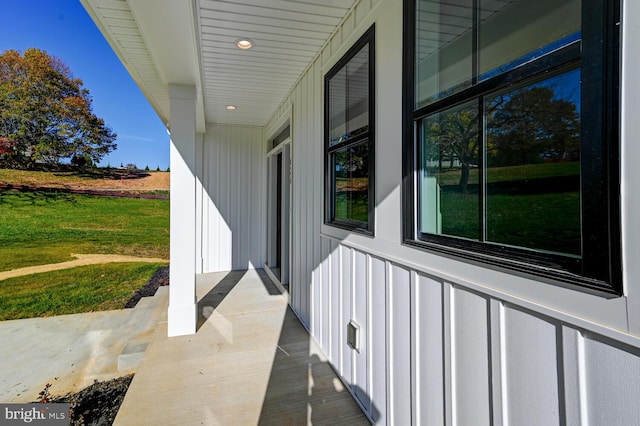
{"points": [[192, 42]]}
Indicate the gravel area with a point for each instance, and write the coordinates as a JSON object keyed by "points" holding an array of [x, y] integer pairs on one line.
{"points": [[97, 404], [159, 279]]}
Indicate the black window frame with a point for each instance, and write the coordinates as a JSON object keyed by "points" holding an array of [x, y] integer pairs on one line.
{"points": [[367, 137], [597, 54]]}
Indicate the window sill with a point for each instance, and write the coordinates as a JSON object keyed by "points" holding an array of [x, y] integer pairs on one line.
{"points": [[539, 272], [351, 226]]}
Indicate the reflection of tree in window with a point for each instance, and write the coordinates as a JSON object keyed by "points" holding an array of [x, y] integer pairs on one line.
{"points": [[527, 203], [533, 126], [352, 183], [455, 133], [533, 166]]}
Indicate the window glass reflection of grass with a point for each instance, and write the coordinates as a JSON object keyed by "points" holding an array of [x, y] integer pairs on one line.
{"points": [[541, 221], [535, 206]]}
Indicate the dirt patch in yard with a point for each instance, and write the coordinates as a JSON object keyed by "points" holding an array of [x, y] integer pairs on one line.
{"points": [[115, 179]]}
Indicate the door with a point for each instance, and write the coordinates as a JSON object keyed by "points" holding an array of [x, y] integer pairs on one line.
{"points": [[279, 211]]}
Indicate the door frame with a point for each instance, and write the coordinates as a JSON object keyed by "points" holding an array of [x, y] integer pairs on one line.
{"points": [[282, 278]]}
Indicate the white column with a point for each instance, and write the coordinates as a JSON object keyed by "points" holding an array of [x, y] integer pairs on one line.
{"points": [[182, 288]]}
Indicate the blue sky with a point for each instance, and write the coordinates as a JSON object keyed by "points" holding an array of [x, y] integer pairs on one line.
{"points": [[62, 28]]}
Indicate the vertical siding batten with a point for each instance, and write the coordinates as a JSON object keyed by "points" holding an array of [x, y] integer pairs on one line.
{"points": [[315, 111], [360, 314], [345, 314], [499, 387], [245, 202], [334, 314], [378, 340], [399, 342], [325, 293], [415, 344], [309, 189], [572, 376], [199, 153], [427, 350], [298, 213], [449, 351]]}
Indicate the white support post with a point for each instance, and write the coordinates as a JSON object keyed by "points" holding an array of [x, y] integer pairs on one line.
{"points": [[182, 290]]}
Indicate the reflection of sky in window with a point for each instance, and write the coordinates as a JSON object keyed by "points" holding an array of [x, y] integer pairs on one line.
{"points": [[565, 41], [565, 86]]}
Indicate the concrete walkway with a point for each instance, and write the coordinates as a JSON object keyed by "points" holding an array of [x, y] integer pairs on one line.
{"points": [[250, 362], [80, 260], [71, 351]]}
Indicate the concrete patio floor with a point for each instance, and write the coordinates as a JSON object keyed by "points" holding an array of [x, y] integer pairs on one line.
{"points": [[250, 362]]}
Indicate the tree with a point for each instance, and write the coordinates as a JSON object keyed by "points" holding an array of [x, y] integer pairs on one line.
{"points": [[455, 133], [533, 125], [45, 113], [82, 161]]}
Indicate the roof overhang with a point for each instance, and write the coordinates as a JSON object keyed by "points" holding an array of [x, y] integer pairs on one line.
{"points": [[192, 42]]}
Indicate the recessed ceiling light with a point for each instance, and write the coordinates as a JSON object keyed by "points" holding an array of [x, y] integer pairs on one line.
{"points": [[230, 107], [244, 43]]}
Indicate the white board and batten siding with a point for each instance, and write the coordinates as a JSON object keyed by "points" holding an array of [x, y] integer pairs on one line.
{"points": [[436, 352], [444, 342], [231, 191]]}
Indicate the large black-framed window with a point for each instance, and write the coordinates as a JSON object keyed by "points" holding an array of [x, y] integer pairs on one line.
{"points": [[511, 143], [350, 138]]}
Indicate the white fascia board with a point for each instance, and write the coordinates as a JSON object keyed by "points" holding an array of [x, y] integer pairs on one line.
{"points": [[169, 30]]}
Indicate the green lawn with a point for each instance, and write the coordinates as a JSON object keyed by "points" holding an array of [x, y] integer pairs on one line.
{"points": [[38, 228], [76, 290]]}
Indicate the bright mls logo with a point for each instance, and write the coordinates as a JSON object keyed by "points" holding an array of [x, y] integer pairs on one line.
{"points": [[38, 414]]}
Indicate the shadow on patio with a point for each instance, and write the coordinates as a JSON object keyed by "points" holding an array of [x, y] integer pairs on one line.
{"points": [[251, 362]]}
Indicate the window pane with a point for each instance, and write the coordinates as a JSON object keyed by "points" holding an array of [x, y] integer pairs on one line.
{"points": [[349, 99], [338, 107], [449, 197], [443, 49], [514, 32], [533, 159], [351, 191], [358, 93]]}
